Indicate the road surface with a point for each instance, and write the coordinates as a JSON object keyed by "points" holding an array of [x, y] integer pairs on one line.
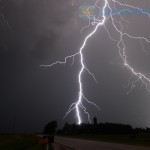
{"points": [[79, 144]]}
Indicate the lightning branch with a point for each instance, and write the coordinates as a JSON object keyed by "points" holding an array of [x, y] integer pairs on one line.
{"points": [[108, 6]]}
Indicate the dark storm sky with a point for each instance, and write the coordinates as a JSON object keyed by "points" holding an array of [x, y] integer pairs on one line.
{"points": [[41, 32]]}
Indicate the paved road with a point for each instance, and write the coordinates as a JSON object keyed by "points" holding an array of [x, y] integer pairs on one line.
{"points": [[94, 145]]}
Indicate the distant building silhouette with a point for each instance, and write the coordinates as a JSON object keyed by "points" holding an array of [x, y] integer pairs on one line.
{"points": [[95, 121]]}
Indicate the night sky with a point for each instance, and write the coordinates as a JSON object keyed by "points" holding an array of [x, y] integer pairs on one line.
{"points": [[36, 32]]}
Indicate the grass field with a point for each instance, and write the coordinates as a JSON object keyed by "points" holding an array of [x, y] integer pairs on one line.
{"points": [[19, 142], [141, 139]]}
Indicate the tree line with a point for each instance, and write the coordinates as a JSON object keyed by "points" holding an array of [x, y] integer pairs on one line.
{"points": [[102, 128], [93, 129]]}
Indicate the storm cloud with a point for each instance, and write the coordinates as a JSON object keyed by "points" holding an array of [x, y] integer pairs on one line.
{"points": [[35, 32]]}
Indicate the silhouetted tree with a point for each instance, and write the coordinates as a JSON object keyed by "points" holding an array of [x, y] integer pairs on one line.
{"points": [[67, 129], [102, 128], [50, 128], [147, 130]]}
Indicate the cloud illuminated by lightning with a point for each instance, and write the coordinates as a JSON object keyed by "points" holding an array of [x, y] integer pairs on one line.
{"points": [[108, 6]]}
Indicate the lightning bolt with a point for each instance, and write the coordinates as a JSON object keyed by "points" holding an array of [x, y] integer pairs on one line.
{"points": [[108, 6]]}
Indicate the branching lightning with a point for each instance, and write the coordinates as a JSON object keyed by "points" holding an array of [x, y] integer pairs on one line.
{"points": [[109, 5]]}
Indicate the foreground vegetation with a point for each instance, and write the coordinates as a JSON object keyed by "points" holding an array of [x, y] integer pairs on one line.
{"points": [[19, 142]]}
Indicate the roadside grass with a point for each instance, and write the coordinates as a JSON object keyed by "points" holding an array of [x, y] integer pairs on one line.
{"points": [[19, 142], [140, 139]]}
